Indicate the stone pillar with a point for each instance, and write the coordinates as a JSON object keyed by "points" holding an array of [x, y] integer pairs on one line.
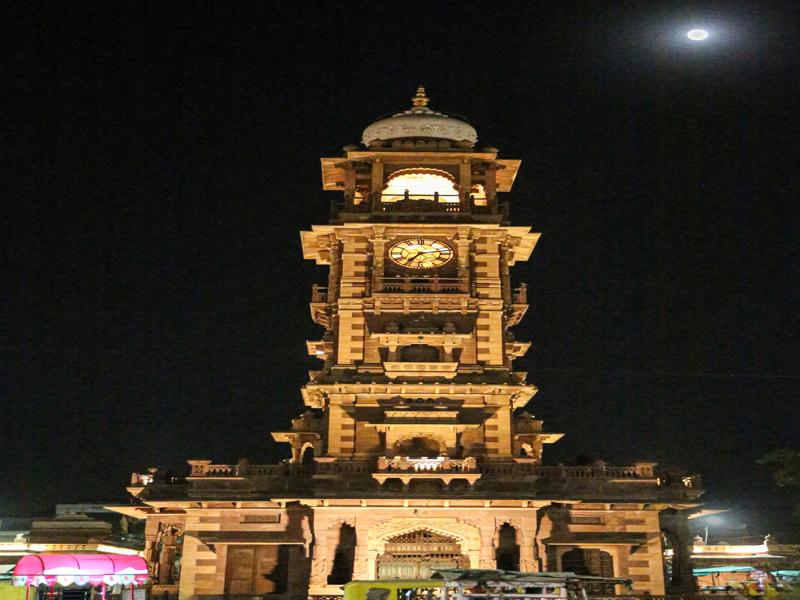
{"points": [[378, 250], [490, 187], [150, 557], [376, 187], [464, 183], [190, 584], [319, 561], [463, 249], [335, 271], [349, 184], [487, 552], [505, 276], [675, 526], [527, 543], [362, 567], [372, 563]]}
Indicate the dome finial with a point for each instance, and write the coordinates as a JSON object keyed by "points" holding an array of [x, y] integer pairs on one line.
{"points": [[420, 99]]}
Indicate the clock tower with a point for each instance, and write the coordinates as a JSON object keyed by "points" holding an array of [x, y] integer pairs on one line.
{"points": [[416, 450], [417, 350]]}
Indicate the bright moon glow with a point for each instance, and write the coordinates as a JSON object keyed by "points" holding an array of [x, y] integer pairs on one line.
{"points": [[697, 35]]}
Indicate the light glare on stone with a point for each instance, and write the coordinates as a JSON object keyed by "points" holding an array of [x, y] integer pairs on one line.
{"points": [[697, 35]]}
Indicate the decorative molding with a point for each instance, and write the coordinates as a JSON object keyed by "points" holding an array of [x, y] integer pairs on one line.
{"points": [[426, 125], [467, 533]]}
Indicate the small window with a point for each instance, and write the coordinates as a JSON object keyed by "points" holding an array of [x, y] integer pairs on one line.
{"points": [[271, 518]]}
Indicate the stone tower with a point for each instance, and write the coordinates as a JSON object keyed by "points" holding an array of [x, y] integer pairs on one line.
{"points": [[414, 451], [417, 347]]}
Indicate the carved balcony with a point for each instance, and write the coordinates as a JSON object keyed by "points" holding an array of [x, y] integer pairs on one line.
{"points": [[443, 468], [379, 477], [442, 464], [420, 370], [421, 285]]}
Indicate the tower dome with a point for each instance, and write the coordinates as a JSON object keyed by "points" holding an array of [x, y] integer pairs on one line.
{"points": [[419, 123]]}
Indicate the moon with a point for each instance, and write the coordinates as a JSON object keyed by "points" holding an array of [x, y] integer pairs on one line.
{"points": [[697, 35]]}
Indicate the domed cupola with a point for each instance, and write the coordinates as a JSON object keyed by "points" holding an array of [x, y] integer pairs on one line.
{"points": [[420, 128]]}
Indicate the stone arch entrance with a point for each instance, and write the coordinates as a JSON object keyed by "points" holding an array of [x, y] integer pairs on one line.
{"points": [[414, 555], [447, 540]]}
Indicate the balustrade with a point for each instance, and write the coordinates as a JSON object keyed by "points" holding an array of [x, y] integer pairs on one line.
{"points": [[447, 203], [343, 468], [440, 464], [422, 285], [598, 471], [643, 472], [417, 203], [206, 469]]}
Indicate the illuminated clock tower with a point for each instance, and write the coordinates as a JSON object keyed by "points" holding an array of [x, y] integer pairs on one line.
{"points": [[417, 351], [415, 450]]}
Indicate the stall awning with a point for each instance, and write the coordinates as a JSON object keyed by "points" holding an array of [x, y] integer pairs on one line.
{"points": [[80, 569], [723, 569]]}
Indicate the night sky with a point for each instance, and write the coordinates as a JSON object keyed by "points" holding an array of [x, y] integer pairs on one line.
{"points": [[163, 156]]}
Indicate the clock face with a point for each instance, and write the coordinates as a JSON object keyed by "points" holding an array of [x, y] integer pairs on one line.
{"points": [[420, 253]]}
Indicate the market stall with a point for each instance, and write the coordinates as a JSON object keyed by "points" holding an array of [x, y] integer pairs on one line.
{"points": [[81, 576]]}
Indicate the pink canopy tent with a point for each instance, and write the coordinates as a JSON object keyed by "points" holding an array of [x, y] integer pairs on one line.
{"points": [[80, 569]]}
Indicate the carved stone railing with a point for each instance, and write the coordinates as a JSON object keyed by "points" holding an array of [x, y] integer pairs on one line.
{"points": [[355, 474], [204, 468], [443, 203], [420, 203], [444, 464], [643, 471], [343, 468], [279, 470], [421, 285]]}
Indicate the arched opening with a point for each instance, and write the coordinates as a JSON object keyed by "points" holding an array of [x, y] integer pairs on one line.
{"points": [[307, 458], [420, 184], [392, 485], [344, 558], [507, 554], [527, 451], [458, 486], [419, 353], [416, 554], [590, 561], [426, 486], [418, 446]]}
